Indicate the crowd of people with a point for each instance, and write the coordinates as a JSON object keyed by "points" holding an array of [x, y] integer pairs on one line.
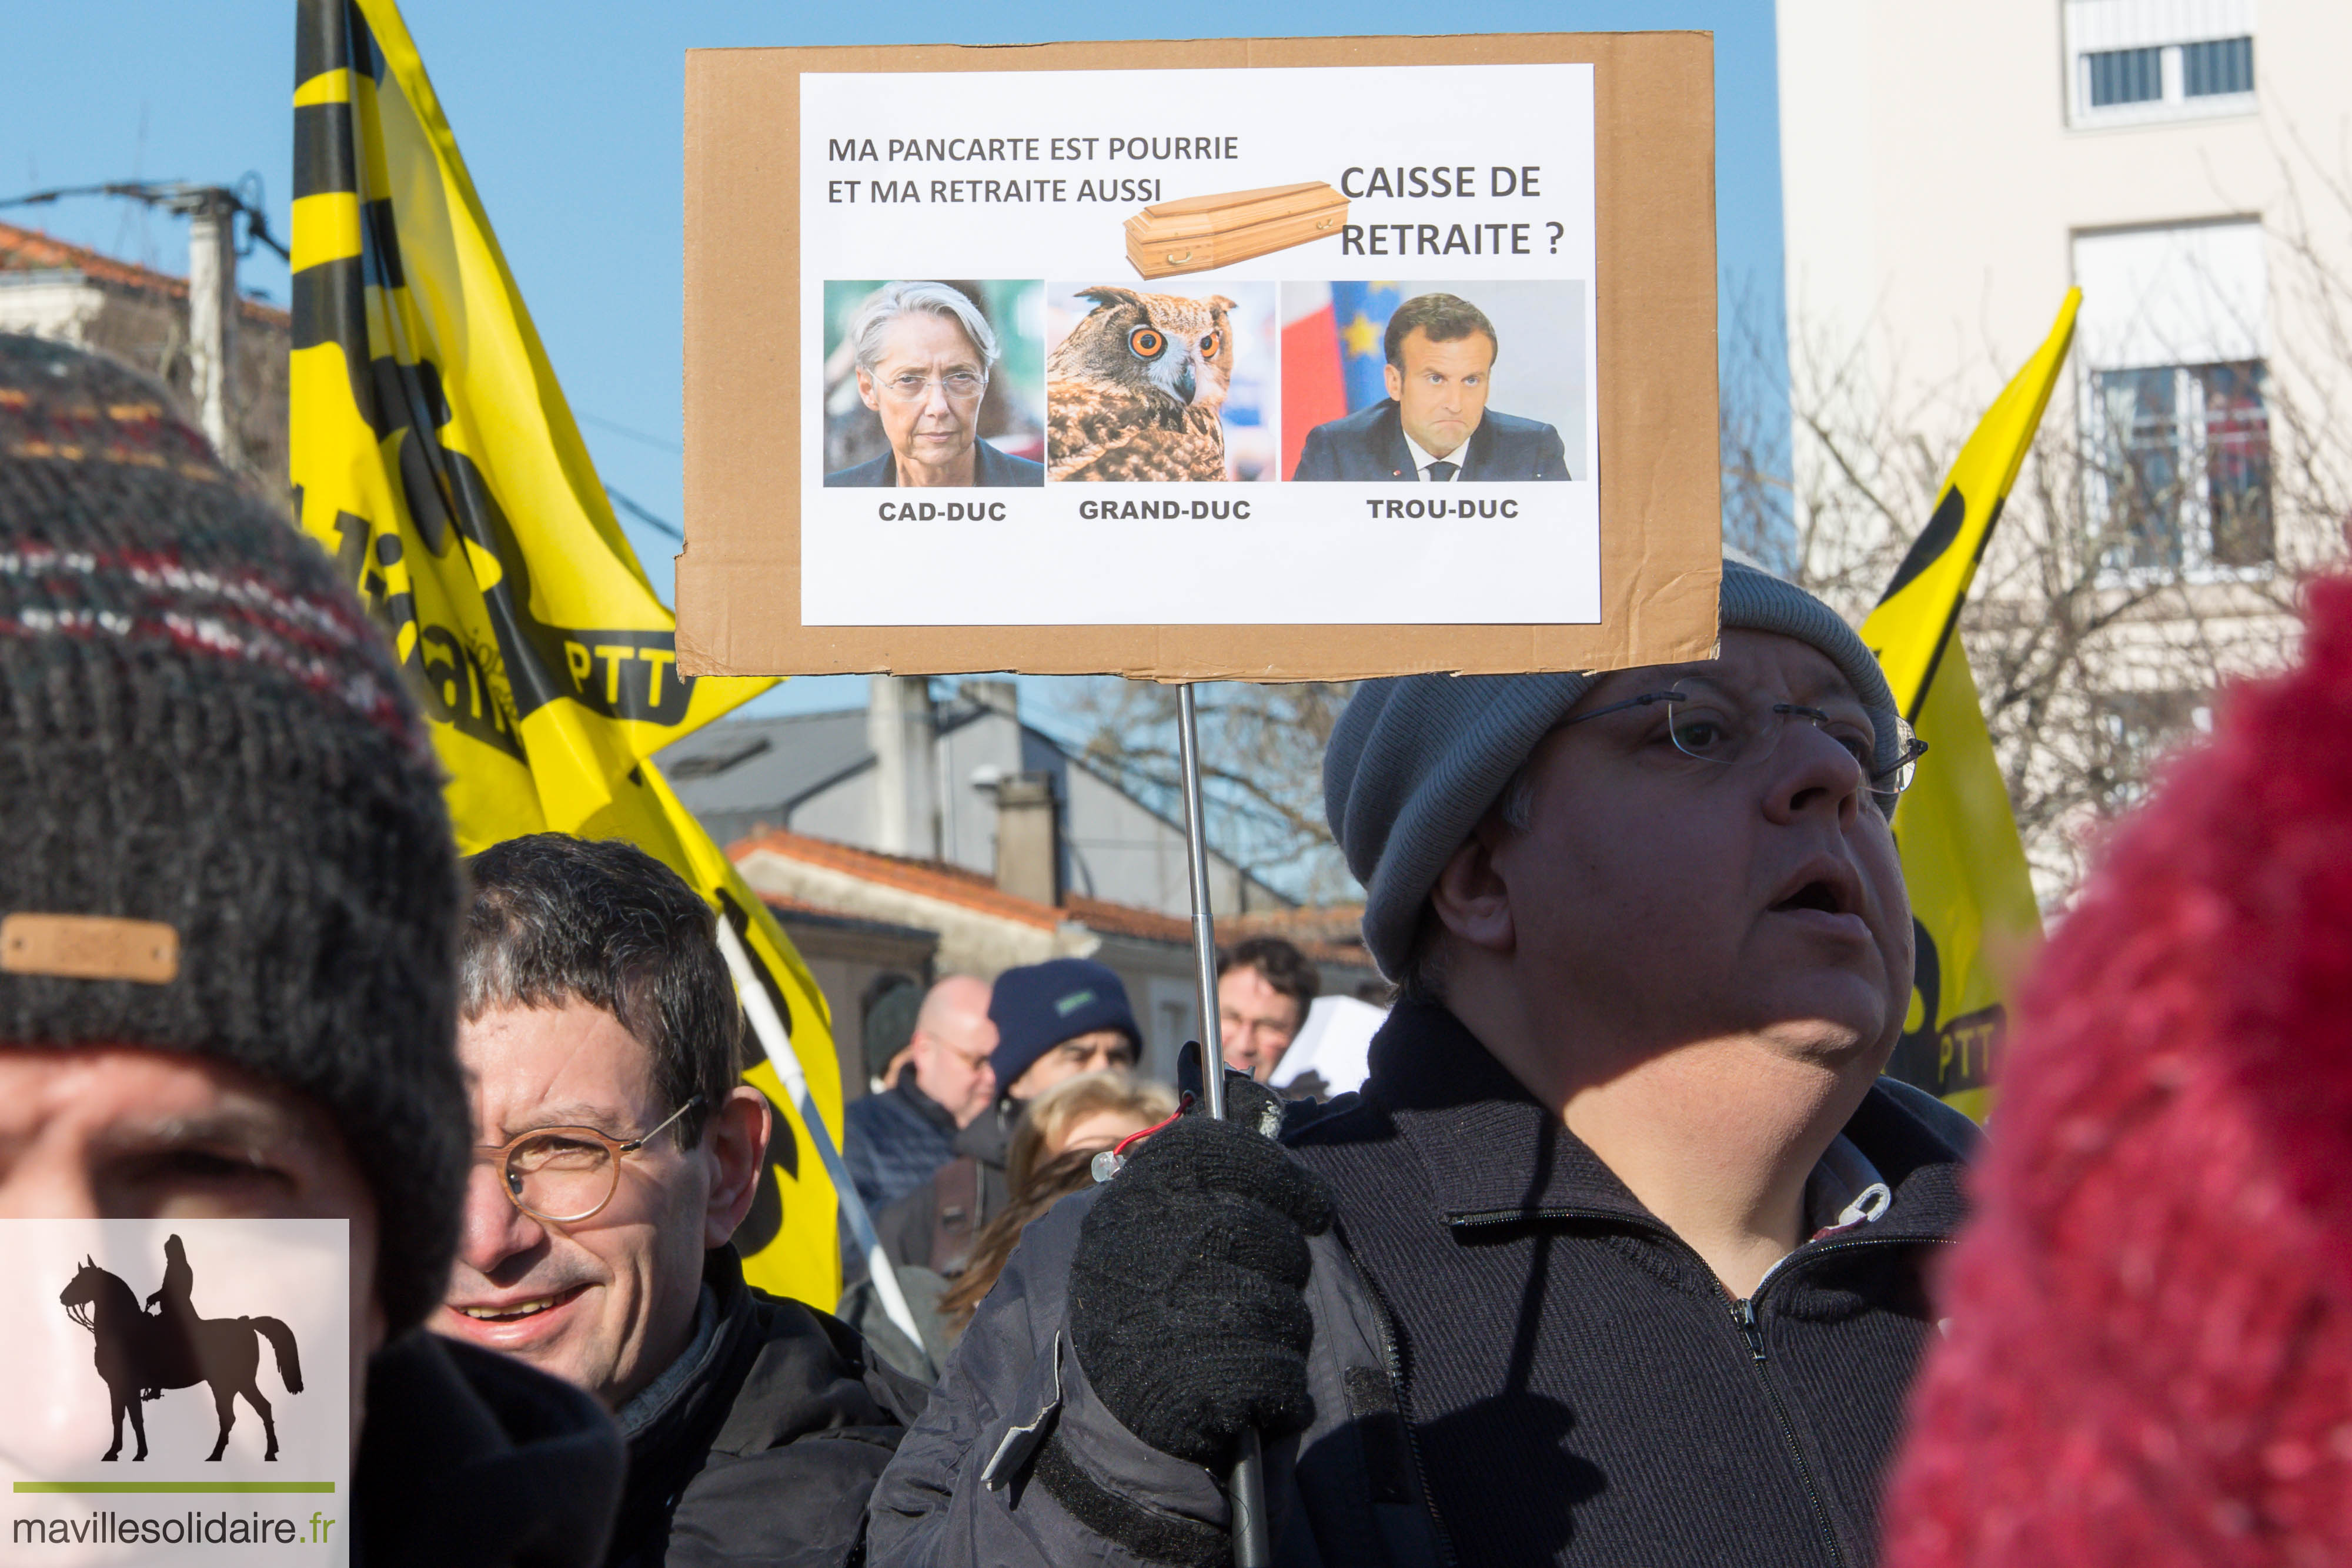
{"points": [[1625, 1252]]}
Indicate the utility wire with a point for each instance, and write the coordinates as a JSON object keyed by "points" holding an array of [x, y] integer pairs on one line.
{"points": [[618, 429], [660, 526], [175, 195]]}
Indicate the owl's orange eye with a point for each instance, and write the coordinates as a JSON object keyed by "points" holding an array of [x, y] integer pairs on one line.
{"points": [[1146, 343], [1209, 346]]}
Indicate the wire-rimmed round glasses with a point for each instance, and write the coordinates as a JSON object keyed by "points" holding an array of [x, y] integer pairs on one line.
{"points": [[566, 1175], [909, 386], [1706, 728]]}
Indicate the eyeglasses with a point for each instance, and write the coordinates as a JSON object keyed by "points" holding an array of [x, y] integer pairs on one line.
{"points": [[1712, 728], [908, 387], [566, 1175]]}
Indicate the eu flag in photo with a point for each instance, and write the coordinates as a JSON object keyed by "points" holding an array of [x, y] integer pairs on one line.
{"points": [[1362, 311]]}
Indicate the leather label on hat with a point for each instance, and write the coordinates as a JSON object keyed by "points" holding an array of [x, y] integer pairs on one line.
{"points": [[89, 948]]}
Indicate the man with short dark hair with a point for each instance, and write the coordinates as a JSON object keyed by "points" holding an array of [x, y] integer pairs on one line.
{"points": [[1265, 988], [1622, 1255], [618, 1149], [231, 900], [1434, 426]]}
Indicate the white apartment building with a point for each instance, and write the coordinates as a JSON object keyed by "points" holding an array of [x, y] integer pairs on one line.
{"points": [[1948, 170]]}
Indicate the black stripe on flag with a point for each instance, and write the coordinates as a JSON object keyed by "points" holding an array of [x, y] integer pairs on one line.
{"points": [[323, 158], [330, 35]]}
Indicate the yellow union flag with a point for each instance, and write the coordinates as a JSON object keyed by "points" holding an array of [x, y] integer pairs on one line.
{"points": [[1972, 902], [435, 455]]}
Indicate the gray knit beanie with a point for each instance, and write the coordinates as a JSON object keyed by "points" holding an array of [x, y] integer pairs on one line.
{"points": [[226, 830], [1415, 762]]}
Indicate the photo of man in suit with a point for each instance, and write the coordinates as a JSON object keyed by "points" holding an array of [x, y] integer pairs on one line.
{"points": [[1434, 426]]}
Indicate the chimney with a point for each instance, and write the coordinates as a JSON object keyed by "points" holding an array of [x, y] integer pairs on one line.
{"points": [[211, 318], [902, 731], [1029, 837]]}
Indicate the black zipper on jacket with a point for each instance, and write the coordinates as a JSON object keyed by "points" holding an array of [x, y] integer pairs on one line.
{"points": [[1395, 1359], [1743, 1317]]}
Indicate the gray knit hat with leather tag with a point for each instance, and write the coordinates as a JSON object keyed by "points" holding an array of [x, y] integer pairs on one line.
{"points": [[1414, 762], [226, 835]]}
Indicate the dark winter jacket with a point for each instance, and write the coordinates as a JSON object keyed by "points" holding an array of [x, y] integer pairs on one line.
{"points": [[1369, 445], [1513, 1361], [933, 1226], [471, 1459], [991, 469], [891, 1140], [764, 1451]]}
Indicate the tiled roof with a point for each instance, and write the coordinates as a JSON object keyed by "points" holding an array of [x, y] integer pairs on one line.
{"points": [[1338, 925], [955, 884], [785, 907], [1126, 920], [30, 250], [927, 879]]}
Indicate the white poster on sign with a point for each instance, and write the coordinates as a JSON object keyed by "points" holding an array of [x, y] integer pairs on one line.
{"points": [[1308, 346]]}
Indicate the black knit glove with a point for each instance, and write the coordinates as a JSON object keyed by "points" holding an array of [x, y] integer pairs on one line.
{"points": [[1187, 1308]]}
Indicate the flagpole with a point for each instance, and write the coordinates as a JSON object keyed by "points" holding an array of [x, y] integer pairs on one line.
{"points": [[759, 1009], [1246, 1485]]}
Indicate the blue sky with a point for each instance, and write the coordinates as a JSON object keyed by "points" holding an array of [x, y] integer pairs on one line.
{"points": [[569, 114]]}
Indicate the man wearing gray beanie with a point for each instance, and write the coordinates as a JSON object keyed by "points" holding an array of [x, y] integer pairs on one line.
{"points": [[1618, 1258], [228, 918]]}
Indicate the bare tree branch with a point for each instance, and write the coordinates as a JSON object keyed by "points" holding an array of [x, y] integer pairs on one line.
{"points": [[1262, 768]]}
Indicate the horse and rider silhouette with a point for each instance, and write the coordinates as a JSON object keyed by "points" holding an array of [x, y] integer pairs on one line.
{"points": [[142, 1353]]}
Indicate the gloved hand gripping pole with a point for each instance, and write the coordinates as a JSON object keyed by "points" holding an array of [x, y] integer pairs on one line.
{"points": [[1246, 1485]]}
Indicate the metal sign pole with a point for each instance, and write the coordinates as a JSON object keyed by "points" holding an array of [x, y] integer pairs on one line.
{"points": [[1204, 931], [1246, 1486]]}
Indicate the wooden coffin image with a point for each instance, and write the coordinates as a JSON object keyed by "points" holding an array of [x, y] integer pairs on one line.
{"points": [[1201, 232]]}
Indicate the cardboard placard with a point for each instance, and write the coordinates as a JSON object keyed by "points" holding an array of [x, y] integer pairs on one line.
{"points": [[909, 267]]}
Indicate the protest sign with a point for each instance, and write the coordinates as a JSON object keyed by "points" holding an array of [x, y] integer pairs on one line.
{"points": [[1157, 330]]}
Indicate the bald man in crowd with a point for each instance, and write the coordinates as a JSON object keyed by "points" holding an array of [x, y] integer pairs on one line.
{"points": [[896, 1139]]}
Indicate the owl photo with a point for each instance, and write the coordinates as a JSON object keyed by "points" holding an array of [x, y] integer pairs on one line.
{"points": [[1136, 391]]}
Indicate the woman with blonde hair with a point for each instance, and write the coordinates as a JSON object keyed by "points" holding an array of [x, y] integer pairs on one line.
{"points": [[1052, 1156]]}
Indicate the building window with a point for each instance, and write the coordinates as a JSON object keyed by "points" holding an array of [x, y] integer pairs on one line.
{"points": [[2126, 76], [2183, 466], [2221, 65], [2133, 730], [2133, 62], [2172, 338]]}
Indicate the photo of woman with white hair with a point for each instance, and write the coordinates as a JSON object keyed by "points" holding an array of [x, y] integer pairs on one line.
{"points": [[926, 363]]}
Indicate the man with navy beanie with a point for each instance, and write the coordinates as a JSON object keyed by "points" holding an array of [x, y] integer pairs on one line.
{"points": [[1619, 1256], [1054, 1020]]}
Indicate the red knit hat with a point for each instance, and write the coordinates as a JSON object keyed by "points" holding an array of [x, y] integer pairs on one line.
{"points": [[2149, 1358]]}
